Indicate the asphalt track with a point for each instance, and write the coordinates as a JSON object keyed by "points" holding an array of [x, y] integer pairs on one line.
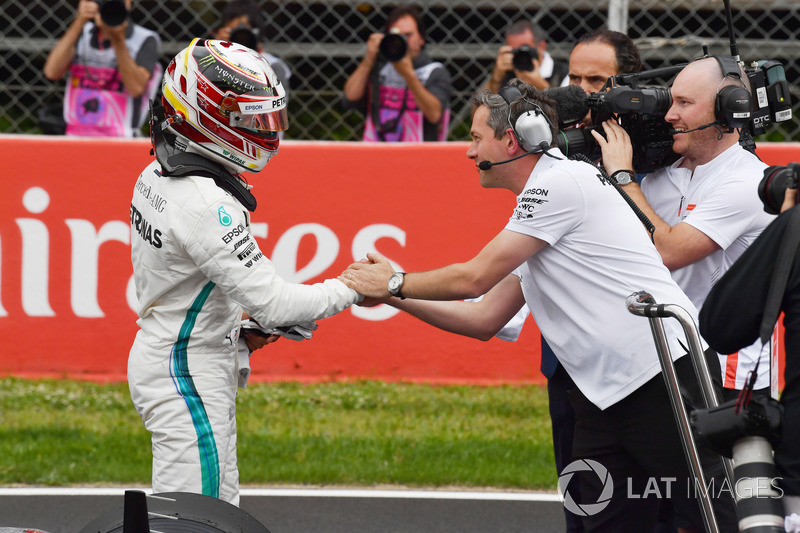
{"points": [[313, 510]]}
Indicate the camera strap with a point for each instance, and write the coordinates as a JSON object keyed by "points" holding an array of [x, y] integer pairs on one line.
{"points": [[780, 276]]}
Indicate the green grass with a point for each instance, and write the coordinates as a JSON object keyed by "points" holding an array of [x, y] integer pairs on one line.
{"points": [[361, 433]]}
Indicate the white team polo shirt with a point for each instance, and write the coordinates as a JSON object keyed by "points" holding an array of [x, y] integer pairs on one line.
{"points": [[576, 287], [720, 199]]}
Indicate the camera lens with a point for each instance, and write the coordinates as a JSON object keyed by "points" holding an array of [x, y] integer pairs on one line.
{"points": [[243, 35], [523, 58], [772, 188], [393, 47], [113, 12]]}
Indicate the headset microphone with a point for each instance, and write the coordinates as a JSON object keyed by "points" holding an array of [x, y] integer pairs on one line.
{"points": [[715, 124], [486, 165]]}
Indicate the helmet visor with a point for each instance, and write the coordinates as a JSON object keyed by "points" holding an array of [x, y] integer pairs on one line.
{"points": [[261, 122]]}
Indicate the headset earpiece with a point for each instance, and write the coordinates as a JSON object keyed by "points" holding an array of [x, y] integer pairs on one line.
{"points": [[532, 127], [733, 104]]}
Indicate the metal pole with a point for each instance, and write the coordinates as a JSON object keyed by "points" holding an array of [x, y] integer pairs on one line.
{"points": [[642, 304], [618, 15]]}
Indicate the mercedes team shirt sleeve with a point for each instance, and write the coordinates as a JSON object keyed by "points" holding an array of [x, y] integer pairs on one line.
{"points": [[224, 249]]}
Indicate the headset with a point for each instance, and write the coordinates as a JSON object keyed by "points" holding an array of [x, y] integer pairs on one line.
{"points": [[733, 104], [532, 128]]}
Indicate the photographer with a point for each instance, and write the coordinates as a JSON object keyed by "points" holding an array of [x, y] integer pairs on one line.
{"points": [[405, 94], [703, 206], [112, 67], [243, 23], [525, 56], [732, 319]]}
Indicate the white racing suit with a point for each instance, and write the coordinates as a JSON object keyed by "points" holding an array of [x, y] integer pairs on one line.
{"points": [[196, 267]]}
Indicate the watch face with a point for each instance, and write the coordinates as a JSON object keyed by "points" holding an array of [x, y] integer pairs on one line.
{"points": [[395, 282], [623, 178]]}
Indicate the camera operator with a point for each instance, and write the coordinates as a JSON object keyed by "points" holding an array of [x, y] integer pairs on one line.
{"points": [[112, 67], [525, 56], [703, 206], [405, 94], [732, 319]]}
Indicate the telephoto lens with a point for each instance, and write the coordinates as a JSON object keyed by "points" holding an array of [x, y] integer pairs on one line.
{"points": [[113, 12], [393, 46], [772, 188]]}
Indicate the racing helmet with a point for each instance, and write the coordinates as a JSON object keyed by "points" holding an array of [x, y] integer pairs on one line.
{"points": [[224, 102]]}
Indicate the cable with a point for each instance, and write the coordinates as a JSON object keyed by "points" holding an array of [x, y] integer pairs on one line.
{"points": [[638, 212]]}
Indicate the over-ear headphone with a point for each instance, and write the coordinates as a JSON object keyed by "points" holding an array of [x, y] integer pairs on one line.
{"points": [[733, 104], [532, 127]]}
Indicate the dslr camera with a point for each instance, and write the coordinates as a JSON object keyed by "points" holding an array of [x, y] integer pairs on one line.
{"points": [[523, 57], [772, 188], [245, 35], [641, 110], [393, 46], [113, 12]]}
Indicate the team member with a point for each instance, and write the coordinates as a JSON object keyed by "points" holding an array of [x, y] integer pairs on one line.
{"points": [[579, 252], [406, 100], [704, 206], [113, 71], [197, 266]]}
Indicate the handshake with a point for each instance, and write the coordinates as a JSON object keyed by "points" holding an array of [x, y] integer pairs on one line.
{"points": [[374, 278], [369, 277]]}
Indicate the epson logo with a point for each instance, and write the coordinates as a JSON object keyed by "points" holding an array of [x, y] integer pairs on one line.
{"points": [[254, 107], [235, 232]]}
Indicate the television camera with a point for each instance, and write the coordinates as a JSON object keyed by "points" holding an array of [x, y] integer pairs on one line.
{"points": [[641, 109]]}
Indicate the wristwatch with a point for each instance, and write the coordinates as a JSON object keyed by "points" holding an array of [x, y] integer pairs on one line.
{"points": [[622, 177], [396, 284]]}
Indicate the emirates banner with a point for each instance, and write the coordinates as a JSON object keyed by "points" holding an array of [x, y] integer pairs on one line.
{"points": [[66, 289]]}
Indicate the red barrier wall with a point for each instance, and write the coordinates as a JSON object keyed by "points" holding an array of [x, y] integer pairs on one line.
{"points": [[65, 256]]}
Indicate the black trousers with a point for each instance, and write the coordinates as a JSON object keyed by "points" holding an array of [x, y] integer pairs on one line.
{"points": [[637, 441]]}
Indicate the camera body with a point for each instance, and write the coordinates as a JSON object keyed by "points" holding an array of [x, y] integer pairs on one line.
{"points": [[394, 46], [523, 58], [722, 426], [244, 35], [641, 112], [113, 12], [772, 187]]}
